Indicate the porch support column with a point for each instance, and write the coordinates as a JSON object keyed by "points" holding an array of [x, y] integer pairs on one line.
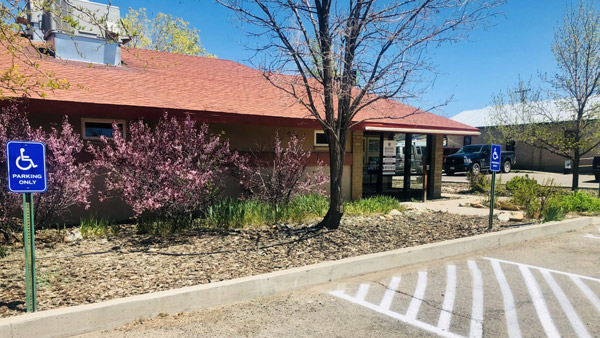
{"points": [[357, 165], [434, 188]]}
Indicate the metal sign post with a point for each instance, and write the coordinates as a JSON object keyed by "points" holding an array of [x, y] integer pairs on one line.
{"points": [[495, 156], [29, 245], [26, 162]]}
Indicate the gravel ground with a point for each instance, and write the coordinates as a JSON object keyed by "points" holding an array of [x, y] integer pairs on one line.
{"points": [[94, 270]]}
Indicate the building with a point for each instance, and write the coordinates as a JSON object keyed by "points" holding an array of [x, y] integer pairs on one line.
{"points": [[237, 100], [528, 157]]}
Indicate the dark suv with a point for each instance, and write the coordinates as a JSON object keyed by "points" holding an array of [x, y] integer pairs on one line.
{"points": [[596, 168]]}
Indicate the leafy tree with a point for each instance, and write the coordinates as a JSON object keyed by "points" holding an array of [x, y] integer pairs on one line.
{"points": [[279, 180], [163, 33], [563, 114], [346, 55], [23, 75], [170, 172]]}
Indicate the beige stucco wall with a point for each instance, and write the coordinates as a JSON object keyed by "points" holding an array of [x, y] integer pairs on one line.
{"points": [[260, 138]]}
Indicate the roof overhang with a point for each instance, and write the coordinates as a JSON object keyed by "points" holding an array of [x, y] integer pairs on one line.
{"points": [[417, 130]]}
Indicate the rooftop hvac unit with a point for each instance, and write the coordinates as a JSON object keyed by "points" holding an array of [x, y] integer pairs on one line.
{"points": [[81, 18]]}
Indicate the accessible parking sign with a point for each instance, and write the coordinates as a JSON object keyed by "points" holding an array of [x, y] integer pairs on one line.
{"points": [[26, 161]]}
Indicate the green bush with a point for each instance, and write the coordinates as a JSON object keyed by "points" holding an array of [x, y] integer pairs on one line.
{"points": [[524, 192], [553, 213], [479, 182], [578, 201], [97, 227], [4, 251]]}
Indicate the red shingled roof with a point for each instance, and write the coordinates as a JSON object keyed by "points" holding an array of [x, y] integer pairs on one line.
{"points": [[199, 84]]}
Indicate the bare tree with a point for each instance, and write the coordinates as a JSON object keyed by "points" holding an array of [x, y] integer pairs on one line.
{"points": [[338, 58], [563, 114]]}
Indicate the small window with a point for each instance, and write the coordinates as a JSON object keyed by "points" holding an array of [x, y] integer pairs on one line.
{"points": [[92, 129], [467, 140], [320, 139]]}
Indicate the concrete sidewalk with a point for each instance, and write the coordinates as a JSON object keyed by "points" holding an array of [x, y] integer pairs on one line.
{"points": [[587, 181], [455, 204]]}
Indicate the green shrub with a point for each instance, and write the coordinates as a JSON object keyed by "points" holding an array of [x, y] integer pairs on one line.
{"points": [[4, 251], [553, 213], [479, 182], [579, 201], [371, 205], [97, 227], [524, 192]]}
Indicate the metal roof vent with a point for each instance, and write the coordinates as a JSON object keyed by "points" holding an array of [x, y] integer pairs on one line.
{"points": [[80, 30]]}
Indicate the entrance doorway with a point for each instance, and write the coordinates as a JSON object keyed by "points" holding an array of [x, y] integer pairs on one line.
{"points": [[395, 164]]}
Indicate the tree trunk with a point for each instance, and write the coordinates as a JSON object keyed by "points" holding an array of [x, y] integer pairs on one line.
{"points": [[575, 171], [336, 203]]}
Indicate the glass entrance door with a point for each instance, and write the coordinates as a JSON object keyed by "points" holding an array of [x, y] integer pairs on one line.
{"points": [[371, 164], [394, 164]]}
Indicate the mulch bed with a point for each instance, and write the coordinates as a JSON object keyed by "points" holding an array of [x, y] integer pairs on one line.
{"points": [[95, 270]]}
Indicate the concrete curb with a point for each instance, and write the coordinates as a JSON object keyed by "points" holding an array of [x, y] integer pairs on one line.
{"points": [[92, 317]]}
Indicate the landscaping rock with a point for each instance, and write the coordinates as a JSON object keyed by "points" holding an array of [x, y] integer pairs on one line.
{"points": [[73, 236], [395, 212], [503, 217], [516, 218], [503, 205]]}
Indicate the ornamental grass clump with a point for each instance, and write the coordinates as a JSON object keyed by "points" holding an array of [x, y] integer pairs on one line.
{"points": [[69, 180], [168, 174]]}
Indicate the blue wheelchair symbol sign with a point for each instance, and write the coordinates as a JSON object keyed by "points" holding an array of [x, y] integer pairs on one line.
{"points": [[495, 157], [26, 163]]}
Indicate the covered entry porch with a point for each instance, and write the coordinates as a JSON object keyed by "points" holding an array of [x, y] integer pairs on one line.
{"points": [[405, 163]]}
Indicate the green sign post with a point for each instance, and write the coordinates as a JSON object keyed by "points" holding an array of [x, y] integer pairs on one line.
{"points": [[26, 162], [491, 223], [29, 244]]}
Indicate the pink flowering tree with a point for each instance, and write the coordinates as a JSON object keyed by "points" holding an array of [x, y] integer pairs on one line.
{"points": [[69, 180], [170, 172], [279, 180]]}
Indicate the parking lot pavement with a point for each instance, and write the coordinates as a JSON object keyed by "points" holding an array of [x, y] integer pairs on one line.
{"points": [[585, 181], [547, 287]]}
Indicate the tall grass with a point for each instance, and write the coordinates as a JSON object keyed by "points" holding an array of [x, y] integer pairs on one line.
{"points": [[372, 205], [230, 213], [97, 227]]}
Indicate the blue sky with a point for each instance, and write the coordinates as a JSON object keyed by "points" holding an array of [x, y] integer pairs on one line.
{"points": [[470, 71]]}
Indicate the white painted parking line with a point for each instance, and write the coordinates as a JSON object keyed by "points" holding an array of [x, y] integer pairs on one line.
{"points": [[587, 292], [448, 305], [539, 303], [592, 236], [477, 307], [417, 299], [403, 318], [566, 305], [362, 291], [388, 296], [536, 297], [510, 311]]}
